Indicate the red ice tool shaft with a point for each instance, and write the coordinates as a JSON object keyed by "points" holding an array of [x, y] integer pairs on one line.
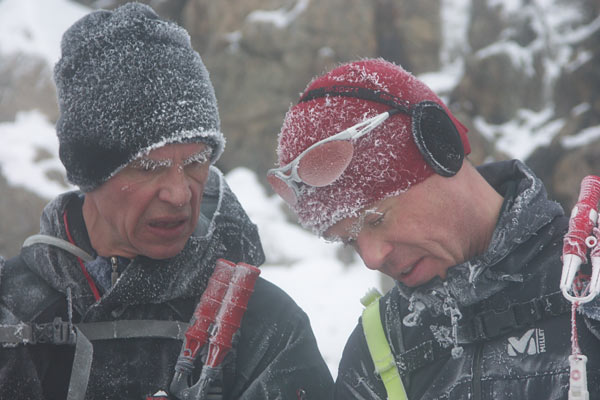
{"points": [[229, 317], [197, 334], [216, 319], [584, 217], [205, 314]]}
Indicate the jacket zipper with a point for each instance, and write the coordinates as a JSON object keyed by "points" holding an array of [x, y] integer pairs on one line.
{"points": [[476, 383]]}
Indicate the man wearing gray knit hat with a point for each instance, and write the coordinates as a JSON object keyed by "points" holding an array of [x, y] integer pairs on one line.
{"points": [[128, 291], [129, 82]]}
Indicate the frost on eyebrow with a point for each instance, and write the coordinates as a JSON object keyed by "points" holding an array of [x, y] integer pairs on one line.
{"points": [[360, 222], [148, 164], [200, 157], [355, 228]]}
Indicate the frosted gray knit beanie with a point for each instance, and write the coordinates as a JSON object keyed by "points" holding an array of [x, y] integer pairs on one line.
{"points": [[129, 82]]}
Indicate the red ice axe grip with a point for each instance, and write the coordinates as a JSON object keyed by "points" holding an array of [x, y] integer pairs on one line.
{"points": [[578, 239], [218, 316], [229, 318], [211, 300]]}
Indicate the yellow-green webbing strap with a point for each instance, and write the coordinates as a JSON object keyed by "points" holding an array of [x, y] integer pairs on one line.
{"points": [[379, 348]]}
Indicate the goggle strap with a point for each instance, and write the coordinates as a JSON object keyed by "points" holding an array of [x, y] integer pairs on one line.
{"points": [[378, 96]]}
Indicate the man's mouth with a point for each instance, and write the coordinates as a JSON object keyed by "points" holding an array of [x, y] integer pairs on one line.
{"points": [[167, 224], [408, 270]]}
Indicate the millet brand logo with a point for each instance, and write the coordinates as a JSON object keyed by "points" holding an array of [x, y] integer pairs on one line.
{"points": [[532, 342]]}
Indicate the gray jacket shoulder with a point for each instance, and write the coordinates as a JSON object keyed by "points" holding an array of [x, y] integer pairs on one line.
{"points": [[23, 294]]}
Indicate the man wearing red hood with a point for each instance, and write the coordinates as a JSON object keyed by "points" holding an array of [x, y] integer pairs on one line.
{"points": [[372, 157]]}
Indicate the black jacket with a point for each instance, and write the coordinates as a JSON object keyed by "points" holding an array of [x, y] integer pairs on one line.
{"points": [[513, 337], [275, 355]]}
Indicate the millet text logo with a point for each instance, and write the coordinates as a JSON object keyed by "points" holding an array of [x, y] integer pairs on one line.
{"points": [[532, 342]]}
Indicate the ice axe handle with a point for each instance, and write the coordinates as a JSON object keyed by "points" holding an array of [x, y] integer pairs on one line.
{"points": [[582, 226]]}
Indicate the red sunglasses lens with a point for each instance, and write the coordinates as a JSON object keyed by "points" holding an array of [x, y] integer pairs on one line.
{"points": [[282, 189], [325, 163]]}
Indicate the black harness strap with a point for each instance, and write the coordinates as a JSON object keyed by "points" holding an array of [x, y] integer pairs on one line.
{"points": [[491, 324], [81, 335], [82, 365], [485, 326], [56, 332], [60, 332], [130, 329], [123, 329], [419, 356]]}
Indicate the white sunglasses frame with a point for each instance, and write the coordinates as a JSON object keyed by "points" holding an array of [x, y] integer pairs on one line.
{"points": [[354, 132]]}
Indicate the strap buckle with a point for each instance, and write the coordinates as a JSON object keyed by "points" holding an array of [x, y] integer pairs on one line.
{"points": [[496, 323], [55, 332], [491, 324]]}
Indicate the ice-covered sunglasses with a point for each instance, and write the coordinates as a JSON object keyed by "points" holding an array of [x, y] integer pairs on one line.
{"points": [[326, 160]]}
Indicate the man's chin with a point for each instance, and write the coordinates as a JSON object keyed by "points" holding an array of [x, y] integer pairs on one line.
{"points": [[164, 252]]}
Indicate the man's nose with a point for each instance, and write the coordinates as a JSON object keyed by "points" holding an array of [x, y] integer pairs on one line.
{"points": [[373, 250], [175, 187]]}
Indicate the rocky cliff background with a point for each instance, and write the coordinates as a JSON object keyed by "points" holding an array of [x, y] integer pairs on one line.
{"points": [[523, 75]]}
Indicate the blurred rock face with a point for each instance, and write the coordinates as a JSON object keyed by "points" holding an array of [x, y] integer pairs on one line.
{"points": [[262, 53], [26, 84]]}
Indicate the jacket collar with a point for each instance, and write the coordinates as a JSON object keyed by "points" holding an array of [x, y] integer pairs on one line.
{"points": [[223, 231]]}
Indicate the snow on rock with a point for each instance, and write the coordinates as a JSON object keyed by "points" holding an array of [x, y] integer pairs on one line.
{"points": [[280, 18], [32, 154], [519, 137], [455, 43], [583, 138]]}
